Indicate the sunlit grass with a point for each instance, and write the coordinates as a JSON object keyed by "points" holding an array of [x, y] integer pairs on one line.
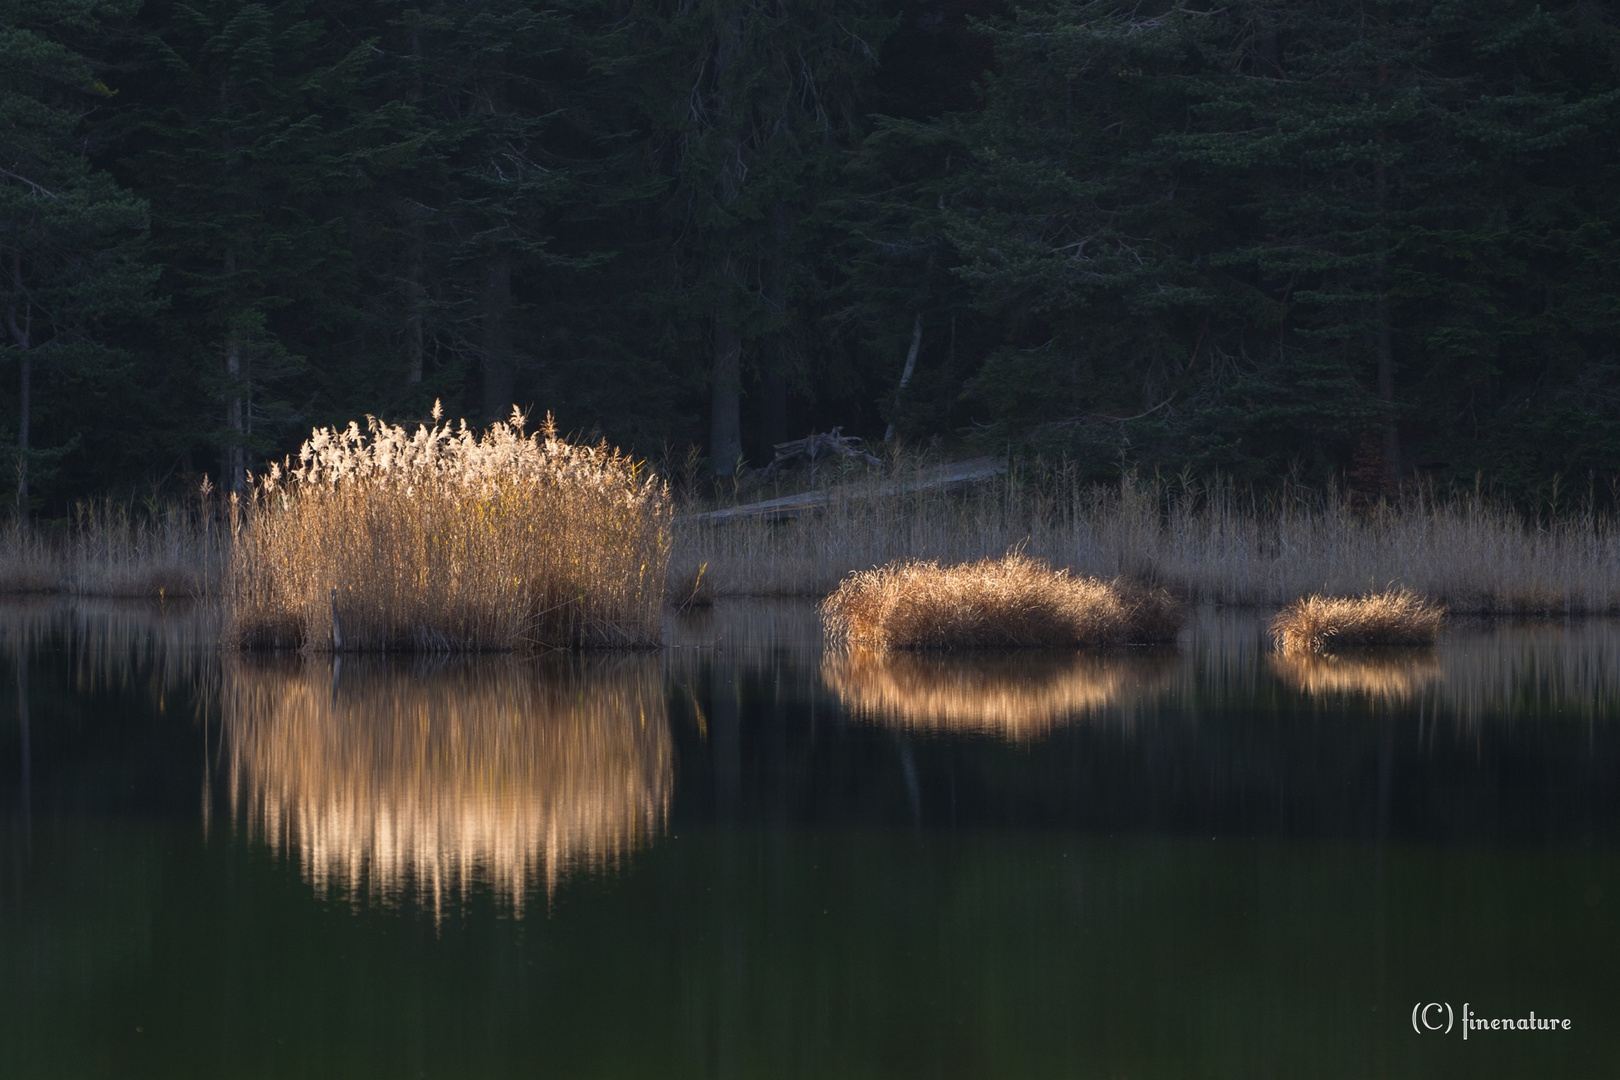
{"points": [[450, 539], [1318, 624], [1215, 544], [1010, 602]]}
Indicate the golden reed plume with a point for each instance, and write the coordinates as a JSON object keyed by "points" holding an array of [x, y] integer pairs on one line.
{"points": [[1384, 676], [498, 771], [447, 540], [1017, 696]]}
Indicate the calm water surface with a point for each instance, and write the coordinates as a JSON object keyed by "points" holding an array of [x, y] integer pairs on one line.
{"points": [[743, 858]]}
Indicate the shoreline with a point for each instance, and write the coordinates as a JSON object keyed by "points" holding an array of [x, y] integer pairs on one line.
{"points": [[1215, 546]]}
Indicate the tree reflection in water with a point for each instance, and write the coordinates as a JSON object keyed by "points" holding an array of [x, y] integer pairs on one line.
{"points": [[386, 779]]}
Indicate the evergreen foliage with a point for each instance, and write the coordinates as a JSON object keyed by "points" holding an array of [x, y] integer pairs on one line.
{"points": [[1341, 241], [70, 240]]}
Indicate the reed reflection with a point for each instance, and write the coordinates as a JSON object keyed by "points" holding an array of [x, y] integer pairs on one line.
{"points": [[1393, 675], [1016, 695], [383, 778]]}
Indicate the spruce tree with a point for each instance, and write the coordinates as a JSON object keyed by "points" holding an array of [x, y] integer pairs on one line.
{"points": [[70, 238], [1216, 236], [750, 103]]}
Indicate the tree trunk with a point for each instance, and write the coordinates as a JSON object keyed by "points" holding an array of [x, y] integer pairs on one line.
{"points": [[911, 362], [725, 426], [232, 448], [416, 303], [1386, 393], [231, 462], [1385, 336], [772, 405], [497, 339], [22, 338], [25, 407], [773, 372]]}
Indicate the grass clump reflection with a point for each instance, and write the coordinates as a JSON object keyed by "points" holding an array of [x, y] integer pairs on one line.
{"points": [[450, 540], [1010, 602], [1317, 624], [387, 779], [1018, 696], [1384, 676]]}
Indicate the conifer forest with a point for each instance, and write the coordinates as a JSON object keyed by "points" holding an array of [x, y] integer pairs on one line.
{"points": [[1357, 242]]}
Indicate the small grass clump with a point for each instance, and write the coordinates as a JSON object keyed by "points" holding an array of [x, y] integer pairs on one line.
{"points": [[449, 540], [1010, 602], [1320, 624]]}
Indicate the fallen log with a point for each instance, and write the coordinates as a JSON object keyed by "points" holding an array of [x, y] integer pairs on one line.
{"points": [[933, 478]]}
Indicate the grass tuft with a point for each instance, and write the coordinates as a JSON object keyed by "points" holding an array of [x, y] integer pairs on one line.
{"points": [[1319, 624], [1010, 602], [449, 540]]}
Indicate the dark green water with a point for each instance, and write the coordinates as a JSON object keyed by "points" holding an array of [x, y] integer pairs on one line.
{"points": [[736, 859]]}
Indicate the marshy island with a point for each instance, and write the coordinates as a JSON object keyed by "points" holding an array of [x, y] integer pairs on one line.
{"points": [[816, 539]]}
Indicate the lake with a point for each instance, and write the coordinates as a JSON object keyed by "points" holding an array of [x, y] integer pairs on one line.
{"points": [[742, 857]]}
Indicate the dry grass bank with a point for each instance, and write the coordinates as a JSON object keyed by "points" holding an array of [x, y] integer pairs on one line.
{"points": [[110, 550], [448, 539], [382, 780], [1019, 697], [1215, 546], [1010, 602], [1319, 624]]}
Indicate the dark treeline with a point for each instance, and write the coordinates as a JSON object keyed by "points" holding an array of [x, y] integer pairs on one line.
{"points": [[1351, 241]]}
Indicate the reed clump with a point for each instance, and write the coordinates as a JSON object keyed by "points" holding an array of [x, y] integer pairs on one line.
{"points": [[1319, 624], [447, 539], [1009, 602], [1017, 696]]}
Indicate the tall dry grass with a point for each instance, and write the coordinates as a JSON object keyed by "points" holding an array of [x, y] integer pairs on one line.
{"points": [[1019, 697], [1010, 602], [384, 780], [1319, 624], [114, 550], [448, 539], [1218, 545]]}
